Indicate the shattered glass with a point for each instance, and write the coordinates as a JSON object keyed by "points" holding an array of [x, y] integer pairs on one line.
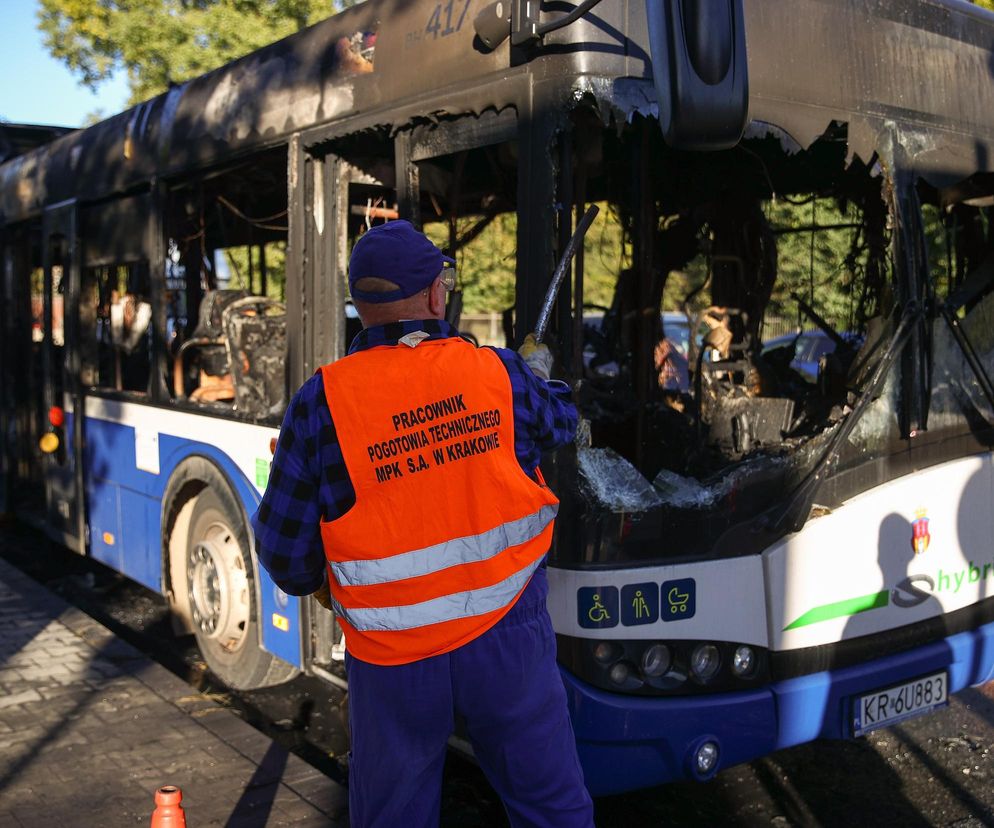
{"points": [[878, 427], [956, 393], [682, 492], [614, 484]]}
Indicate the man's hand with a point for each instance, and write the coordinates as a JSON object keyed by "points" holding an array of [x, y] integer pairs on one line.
{"points": [[538, 357], [323, 596]]}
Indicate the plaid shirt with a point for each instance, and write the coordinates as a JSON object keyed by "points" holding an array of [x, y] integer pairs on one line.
{"points": [[309, 481]]}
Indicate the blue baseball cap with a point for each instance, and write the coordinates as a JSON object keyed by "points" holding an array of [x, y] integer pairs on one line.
{"points": [[397, 252]]}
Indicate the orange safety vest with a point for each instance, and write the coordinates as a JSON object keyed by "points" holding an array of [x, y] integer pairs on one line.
{"points": [[446, 529]]}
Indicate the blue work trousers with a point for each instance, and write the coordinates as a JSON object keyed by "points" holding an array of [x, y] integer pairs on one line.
{"points": [[507, 687]]}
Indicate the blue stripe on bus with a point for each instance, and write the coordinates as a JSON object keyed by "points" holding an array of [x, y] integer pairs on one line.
{"points": [[652, 738], [126, 502]]}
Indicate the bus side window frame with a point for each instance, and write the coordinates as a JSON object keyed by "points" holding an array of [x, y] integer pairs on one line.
{"points": [[114, 234]]}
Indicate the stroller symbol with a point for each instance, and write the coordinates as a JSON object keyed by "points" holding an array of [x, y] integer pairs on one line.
{"points": [[681, 598], [677, 600]]}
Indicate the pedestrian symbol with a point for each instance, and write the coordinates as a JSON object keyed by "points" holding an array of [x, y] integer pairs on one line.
{"points": [[639, 604], [597, 607]]}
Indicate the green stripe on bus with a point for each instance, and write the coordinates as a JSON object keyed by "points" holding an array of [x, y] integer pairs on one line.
{"points": [[840, 609]]}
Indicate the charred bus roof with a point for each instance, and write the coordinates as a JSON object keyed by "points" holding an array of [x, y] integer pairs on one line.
{"points": [[889, 68]]}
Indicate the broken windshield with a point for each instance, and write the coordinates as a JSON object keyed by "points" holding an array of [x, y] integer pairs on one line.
{"points": [[737, 308]]}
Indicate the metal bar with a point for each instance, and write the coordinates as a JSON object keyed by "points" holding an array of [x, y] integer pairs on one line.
{"points": [[564, 200], [328, 676], [263, 273], [561, 269], [407, 176], [578, 287], [810, 228], [299, 188], [536, 194]]}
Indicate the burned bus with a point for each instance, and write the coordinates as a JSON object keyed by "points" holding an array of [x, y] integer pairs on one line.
{"points": [[757, 547]]}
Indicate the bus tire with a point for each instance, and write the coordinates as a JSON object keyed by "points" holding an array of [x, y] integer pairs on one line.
{"points": [[221, 584]]}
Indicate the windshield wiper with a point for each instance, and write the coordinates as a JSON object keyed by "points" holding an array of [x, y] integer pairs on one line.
{"points": [[794, 513], [975, 286]]}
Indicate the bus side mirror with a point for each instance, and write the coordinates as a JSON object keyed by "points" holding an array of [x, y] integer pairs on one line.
{"points": [[699, 68]]}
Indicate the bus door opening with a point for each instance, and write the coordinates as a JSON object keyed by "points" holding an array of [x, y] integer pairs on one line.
{"points": [[58, 406], [24, 326], [348, 184], [462, 180], [456, 180]]}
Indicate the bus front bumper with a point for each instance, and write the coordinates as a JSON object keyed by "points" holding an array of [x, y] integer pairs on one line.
{"points": [[630, 742]]}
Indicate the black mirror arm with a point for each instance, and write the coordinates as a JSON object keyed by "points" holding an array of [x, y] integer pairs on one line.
{"points": [[519, 20], [565, 20]]}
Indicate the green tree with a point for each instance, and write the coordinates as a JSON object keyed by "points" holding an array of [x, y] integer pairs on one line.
{"points": [[162, 42]]}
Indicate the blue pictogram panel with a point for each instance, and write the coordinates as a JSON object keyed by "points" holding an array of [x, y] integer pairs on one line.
{"points": [[679, 599], [597, 607], [639, 604]]}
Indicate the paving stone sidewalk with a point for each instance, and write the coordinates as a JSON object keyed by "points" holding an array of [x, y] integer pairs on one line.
{"points": [[90, 727]]}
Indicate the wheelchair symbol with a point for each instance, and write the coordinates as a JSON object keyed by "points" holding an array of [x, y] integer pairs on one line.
{"points": [[598, 612], [677, 600]]}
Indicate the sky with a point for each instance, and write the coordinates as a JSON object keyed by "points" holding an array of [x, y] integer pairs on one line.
{"points": [[35, 88]]}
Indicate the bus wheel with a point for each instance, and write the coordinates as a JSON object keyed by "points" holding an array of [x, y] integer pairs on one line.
{"points": [[220, 582]]}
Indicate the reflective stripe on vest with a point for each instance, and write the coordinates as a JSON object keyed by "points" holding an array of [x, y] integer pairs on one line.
{"points": [[447, 528], [443, 555], [438, 610]]}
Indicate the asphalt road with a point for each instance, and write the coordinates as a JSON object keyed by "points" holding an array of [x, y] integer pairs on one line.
{"points": [[933, 770]]}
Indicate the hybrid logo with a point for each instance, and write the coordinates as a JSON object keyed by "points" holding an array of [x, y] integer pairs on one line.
{"points": [[912, 591], [906, 595]]}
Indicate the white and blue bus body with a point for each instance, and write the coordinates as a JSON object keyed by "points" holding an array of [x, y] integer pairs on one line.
{"points": [[847, 576], [132, 452], [745, 559]]}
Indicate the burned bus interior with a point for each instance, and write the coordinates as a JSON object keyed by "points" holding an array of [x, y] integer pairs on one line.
{"points": [[226, 287], [728, 312], [751, 338]]}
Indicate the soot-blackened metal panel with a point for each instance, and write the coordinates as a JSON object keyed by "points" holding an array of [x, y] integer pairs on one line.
{"points": [[927, 66], [115, 232], [355, 61], [871, 63]]}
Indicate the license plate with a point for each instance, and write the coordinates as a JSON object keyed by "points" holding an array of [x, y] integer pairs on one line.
{"points": [[902, 701]]}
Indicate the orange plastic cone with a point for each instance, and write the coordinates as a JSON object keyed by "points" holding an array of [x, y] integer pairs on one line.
{"points": [[168, 812]]}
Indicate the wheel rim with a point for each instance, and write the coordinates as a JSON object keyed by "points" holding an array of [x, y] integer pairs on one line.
{"points": [[219, 590]]}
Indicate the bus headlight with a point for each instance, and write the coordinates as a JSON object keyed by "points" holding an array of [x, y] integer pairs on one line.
{"points": [[606, 651], [664, 667], [744, 661], [656, 660], [704, 662], [706, 758], [620, 672]]}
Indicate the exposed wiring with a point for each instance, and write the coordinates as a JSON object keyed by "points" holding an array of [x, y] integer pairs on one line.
{"points": [[256, 222]]}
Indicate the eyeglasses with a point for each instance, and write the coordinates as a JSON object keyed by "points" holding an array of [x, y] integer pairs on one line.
{"points": [[448, 276]]}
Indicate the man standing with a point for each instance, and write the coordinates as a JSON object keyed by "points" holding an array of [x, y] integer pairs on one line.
{"points": [[408, 471]]}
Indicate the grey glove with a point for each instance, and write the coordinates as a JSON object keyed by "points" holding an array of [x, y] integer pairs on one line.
{"points": [[538, 357]]}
